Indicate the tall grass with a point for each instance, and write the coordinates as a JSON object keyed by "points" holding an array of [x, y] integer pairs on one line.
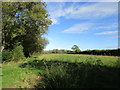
{"points": [[62, 74], [72, 75]]}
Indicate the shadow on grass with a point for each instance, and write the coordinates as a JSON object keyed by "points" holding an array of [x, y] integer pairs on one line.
{"points": [[60, 74]]}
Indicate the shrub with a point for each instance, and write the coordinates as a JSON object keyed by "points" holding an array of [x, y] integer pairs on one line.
{"points": [[6, 55], [15, 54], [18, 53]]}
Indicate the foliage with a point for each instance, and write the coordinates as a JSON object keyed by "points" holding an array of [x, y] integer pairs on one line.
{"points": [[76, 49], [107, 52], [57, 51], [6, 55], [25, 23], [18, 53], [15, 54], [112, 52]]}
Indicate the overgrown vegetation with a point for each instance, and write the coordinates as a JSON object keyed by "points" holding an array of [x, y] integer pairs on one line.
{"points": [[73, 75], [76, 74]]}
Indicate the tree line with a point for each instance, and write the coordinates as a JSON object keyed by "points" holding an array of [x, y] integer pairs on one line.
{"points": [[113, 52], [76, 50]]}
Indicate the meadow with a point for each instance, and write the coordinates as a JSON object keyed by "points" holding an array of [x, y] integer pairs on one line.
{"points": [[62, 71], [27, 61]]}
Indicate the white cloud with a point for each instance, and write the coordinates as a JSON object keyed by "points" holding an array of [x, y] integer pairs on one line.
{"points": [[110, 26], [91, 11], [107, 32], [82, 11], [84, 27], [55, 10], [78, 28]]}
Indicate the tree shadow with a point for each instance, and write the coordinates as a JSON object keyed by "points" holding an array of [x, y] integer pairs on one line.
{"points": [[61, 74]]}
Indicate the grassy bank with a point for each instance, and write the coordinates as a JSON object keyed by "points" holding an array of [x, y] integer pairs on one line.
{"points": [[17, 77]]}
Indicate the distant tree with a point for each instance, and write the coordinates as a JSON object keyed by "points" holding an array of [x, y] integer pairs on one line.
{"points": [[24, 23], [68, 51], [55, 51], [62, 51], [76, 49]]}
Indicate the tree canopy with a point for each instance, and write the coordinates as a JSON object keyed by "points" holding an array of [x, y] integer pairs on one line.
{"points": [[24, 23], [76, 49]]}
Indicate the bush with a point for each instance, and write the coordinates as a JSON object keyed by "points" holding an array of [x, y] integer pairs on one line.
{"points": [[18, 53], [6, 55], [15, 54]]}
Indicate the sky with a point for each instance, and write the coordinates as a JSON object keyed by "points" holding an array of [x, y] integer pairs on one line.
{"points": [[90, 25]]}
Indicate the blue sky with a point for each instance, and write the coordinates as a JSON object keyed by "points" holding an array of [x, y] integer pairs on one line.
{"points": [[90, 25]]}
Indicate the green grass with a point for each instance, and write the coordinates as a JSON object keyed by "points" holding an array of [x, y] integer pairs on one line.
{"points": [[106, 60], [15, 76]]}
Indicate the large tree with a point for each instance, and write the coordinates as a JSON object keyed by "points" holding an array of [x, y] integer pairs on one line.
{"points": [[24, 23]]}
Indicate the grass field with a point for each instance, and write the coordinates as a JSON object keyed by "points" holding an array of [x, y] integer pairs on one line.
{"points": [[106, 60], [61, 70]]}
